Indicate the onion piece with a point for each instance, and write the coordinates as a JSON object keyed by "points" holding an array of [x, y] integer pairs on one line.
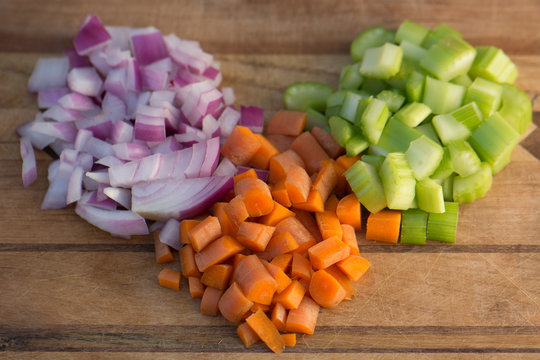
{"points": [[228, 96], [58, 113], [153, 79], [76, 101], [165, 147], [92, 35], [62, 131], [252, 117], [49, 73], [91, 198], [148, 45], [113, 107], [158, 98], [197, 159], [85, 80], [261, 174], [130, 151], [120, 195], [120, 36], [98, 148], [74, 189], [211, 157], [149, 128], [116, 82], [101, 177], [49, 97], [210, 127], [118, 222], [38, 140], [55, 197], [170, 234], [227, 121], [29, 167], [110, 161], [76, 60], [225, 168], [122, 132]]}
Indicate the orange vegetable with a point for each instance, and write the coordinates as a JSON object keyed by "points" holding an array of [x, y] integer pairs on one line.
{"points": [[162, 251], [279, 244], [240, 146], [304, 318], [303, 237], [313, 202], [185, 226], [384, 226], [354, 266], [218, 251], [311, 152], [281, 163], [343, 280], [170, 279], [261, 158], [196, 288], [266, 330], [279, 316], [346, 161], [309, 223], [280, 194], [210, 301], [348, 211], [204, 233], [291, 297], [297, 184], [278, 213], [254, 280], [327, 141], [326, 290], [282, 280], [305, 284], [256, 196], [328, 252], [249, 173], [328, 224], [326, 180], [290, 339], [227, 227], [247, 335], [349, 238], [234, 305], [236, 212], [281, 142], [342, 185], [187, 260], [300, 267], [256, 307], [286, 122], [217, 276], [254, 236], [283, 261]]}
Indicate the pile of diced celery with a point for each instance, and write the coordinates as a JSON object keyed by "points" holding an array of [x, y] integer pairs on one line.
{"points": [[433, 117]]}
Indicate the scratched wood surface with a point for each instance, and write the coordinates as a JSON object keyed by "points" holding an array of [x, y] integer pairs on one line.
{"points": [[69, 290]]}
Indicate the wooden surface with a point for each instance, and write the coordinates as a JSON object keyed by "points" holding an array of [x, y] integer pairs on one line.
{"points": [[69, 290]]}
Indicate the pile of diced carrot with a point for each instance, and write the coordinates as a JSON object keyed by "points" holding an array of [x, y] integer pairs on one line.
{"points": [[271, 254]]}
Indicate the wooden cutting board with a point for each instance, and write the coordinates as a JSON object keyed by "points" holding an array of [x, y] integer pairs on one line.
{"points": [[70, 290]]}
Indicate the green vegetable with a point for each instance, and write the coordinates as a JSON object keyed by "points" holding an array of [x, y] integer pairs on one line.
{"points": [[411, 32], [300, 95], [424, 156], [448, 58], [413, 226], [398, 181], [350, 77], [396, 136], [449, 129], [468, 115], [475, 186], [441, 96], [373, 119], [413, 113], [382, 62], [429, 196], [443, 227], [493, 64], [486, 94], [341, 129], [370, 38], [315, 118], [464, 159], [367, 186], [393, 99]]}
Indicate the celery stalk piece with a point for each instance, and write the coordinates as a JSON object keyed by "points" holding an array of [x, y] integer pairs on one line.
{"points": [[413, 113], [393, 99], [469, 115], [440, 32], [373, 86], [378, 151], [375, 160], [350, 77], [448, 188], [412, 52], [414, 87], [463, 80], [494, 140], [449, 129], [516, 108], [464, 159], [370, 38], [486, 94], [442, 97], [341, 129], [373, 119], [398, 181], [315, 118], [423, 156], [356, 144], [382, 62], [366, 184], [350, 105], [493, 64], [300, 95], [412, 32], [475, 186], [334, 102], [396, 136], [445, 168], [413, 227], [448, 58], [428, 130], [443, 227], [429, 195], [399, 81]]}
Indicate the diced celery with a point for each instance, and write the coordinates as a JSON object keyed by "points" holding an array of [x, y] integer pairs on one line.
{"points": [[334, 102], [382, 62], [414, 87], [399, 80], [493, 140], [448, 188], [350, 105], [429, 195], [413, 113], [393, 99], [373, 86], [315, 118], [463, 80], [356, 144], [443, 227], [428, 130], [301, 95], [516, 108], [449, 129], [350, 77], [341, 129], [398, 181], [475, 186], [366, 184], [412, 52], [362, 105], [369, 38], [464, 159], [493, 64], [440, 32], [442, 97], [423, 156], [486, 94], [445, 168], [375, 160], [411, 32], [413, 226], [377, 150], [396, 136], [373, 119], [448, 58], [469, 115]]}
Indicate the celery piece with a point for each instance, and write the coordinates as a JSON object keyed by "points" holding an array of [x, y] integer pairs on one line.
{"points": [[341, 129], [469, 115], [440, 32], [399, 80], [448, 58], [370, 38], [493, 64], [350, 105], [445, 168], [393, 99], [415, 85], [449, 129], [443, 227], [424, 156], [486, 94], [362, 105], [300, 95], [441, 96], [382, 62], [332, 111], [398, 181], [377, 151], [396, 136], [373, 119], [411, 32], [464, 159], [516, 108], [315, 118], [448, 188], [475, 186], [356, 143], [366, 184], [350, 77], [428, 130], [412, 52], [373, 86], [429, 195], [413, 113], [413, 227], [463, 80], [493, 140], [334, 102], [375, 160]]}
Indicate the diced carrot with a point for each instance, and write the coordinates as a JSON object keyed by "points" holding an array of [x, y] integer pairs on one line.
{"points": [[309, 223], [202, 216], [349, 212], [254, 236], [227, 227], [354, 266], [305, 284], [280, 194], [170, 279], [326, 290], [261, 158], [346, 161], [249, 173], [384, 226], [304, 318], [307, 147], [326, 180], [279, 244], [297, 184], [254, 280], [303, 237], [217, 276], [187, 260], [218, 251], [233, 305], [291, 297], [263, 307], [286, 122], [342, 185], [313, 202], [237, 212], [196, 288], [301, 267], [204, 233], [328, 252], [267, 331], [278, 213], [282, 280], [327, 141], [290, 339], [329, 225], [283, 261], [210, 301], [256, 196], [236, 259], [281, 163], [185, 226], [228, 196], [162, 251], [279, 316], [349, 238], [281, 142], [331, 203], [247, 335], [240, 146], [343, 280]]}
